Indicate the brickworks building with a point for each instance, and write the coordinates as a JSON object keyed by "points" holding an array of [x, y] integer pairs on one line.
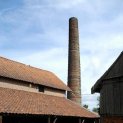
{"points": [[29, 94]]}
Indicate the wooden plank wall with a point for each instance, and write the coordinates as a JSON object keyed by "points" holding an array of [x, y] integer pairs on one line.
{"points": [[121, 97], [112, 120], [116, 98], [111, 99], [106, 99]]}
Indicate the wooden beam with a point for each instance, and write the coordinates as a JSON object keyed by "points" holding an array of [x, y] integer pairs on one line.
{"points": [[0, 119], [55, 120], [49, 119], [97, 121], [83, 121], [79, 120]]}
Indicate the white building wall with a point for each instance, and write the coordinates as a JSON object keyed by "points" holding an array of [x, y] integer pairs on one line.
{"points": [[20, 85], [13, 84], [51, 91]]}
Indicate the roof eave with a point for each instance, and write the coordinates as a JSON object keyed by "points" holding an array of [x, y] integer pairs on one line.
{"points": [[96, 87], [58, 115]]}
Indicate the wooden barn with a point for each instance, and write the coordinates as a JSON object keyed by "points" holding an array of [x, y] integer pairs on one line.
{"points": [[110, 87]]}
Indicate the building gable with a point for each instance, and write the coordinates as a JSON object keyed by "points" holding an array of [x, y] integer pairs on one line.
{"points": [[18, 71], [114, 71]]}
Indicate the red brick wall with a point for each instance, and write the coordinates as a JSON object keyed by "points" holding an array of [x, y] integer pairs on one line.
{"points": [[112, 120], [74, 76]]}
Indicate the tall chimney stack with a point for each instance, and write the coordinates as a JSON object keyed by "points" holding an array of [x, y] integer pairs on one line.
{"points": [[74, 75]]}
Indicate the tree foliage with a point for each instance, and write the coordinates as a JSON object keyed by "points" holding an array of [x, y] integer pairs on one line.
{"points": [[96, 109], [85, 106]]}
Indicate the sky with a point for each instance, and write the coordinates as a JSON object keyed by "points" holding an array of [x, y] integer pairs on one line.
{"points": [[35, 32]]}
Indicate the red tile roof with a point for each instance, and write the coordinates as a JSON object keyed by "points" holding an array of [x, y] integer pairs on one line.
{"points": [[22, 102], [19, 71]]}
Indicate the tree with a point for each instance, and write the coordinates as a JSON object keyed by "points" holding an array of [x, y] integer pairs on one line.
{"points": [[85, 106], [96, 109]]}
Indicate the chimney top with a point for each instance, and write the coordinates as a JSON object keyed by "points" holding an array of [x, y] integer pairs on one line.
{"points": [[73, 23], [73, 18]]}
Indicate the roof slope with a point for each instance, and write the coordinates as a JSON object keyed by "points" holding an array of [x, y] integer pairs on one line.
{"points": [[114, 71], [22, 102], [19, 71]]}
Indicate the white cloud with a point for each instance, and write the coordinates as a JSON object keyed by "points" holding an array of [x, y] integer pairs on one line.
{"points": [[90, 98], [58, 4], [54, 60]]}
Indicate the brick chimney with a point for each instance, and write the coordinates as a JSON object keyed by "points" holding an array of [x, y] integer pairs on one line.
{"points": [[74, 75]]}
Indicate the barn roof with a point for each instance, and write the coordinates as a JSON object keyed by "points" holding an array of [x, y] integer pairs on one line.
{"points": [[15, 70], [23, 102], [114, 71]]}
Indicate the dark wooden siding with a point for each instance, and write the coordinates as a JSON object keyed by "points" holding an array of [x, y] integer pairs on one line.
{"points": [[121, 97], [116, 98], [106, 99], [112, 120], [111, 98]]}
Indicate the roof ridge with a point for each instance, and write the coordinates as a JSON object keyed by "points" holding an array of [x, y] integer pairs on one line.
{"points": [[11, 60], [110, 67], [39, 69]]}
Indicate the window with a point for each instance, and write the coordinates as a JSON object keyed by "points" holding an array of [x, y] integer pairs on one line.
{"points": [[41, 88]]}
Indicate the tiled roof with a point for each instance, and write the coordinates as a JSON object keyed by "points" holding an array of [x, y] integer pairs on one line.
{"points": [[19, 71], [22, 102]]}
